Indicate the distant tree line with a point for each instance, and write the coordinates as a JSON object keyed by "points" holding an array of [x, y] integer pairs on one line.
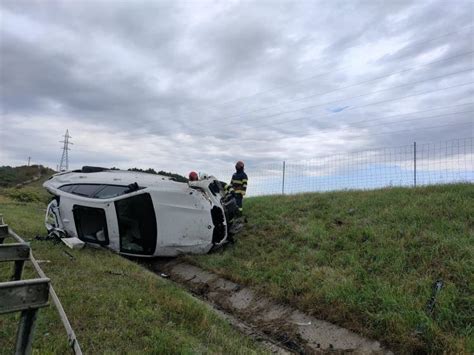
{"points": [[173, 176]]}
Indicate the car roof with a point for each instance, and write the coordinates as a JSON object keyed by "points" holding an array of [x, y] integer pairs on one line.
{"points": [[112, 177]]}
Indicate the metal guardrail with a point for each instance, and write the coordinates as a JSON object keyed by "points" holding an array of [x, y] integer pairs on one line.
{"points": [[27, 296]]}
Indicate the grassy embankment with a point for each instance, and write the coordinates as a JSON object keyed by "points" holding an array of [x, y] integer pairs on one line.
{"points": [[365, 260], [114, 305]]}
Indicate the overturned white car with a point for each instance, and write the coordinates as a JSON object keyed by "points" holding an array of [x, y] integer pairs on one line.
{"points": [[140, 214]]}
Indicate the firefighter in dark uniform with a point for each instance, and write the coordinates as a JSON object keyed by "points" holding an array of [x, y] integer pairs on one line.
{"points": [[239, 183]]}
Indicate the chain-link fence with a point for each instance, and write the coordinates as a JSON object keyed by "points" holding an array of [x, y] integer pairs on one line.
{"points": [[411, 165]]}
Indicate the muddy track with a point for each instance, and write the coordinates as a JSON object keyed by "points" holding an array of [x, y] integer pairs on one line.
{"points": [[281, 326]]}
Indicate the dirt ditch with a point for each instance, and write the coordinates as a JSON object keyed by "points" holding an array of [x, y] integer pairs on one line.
{"points": [[283, 327]]}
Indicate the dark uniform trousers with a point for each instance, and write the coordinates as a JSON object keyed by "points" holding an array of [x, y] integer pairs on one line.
{"points": [[239, 184]]}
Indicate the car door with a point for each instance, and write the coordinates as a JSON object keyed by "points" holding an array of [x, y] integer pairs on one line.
{"points": [[137, 224]]}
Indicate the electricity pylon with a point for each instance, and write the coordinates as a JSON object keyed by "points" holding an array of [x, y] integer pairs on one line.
{"points": [[64, 164]]}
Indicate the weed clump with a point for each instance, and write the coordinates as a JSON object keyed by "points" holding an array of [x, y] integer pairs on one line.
{"points": [[24, 195]]}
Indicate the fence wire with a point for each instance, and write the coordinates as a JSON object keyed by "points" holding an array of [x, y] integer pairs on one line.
{"points": [[410, 165]]}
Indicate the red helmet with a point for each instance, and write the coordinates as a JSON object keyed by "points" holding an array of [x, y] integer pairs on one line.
{"points": [[193, 176], [239, 165]]}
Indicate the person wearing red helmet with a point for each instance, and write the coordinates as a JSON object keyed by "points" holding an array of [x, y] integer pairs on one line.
{"points": [[193, 176], [239, 183]]}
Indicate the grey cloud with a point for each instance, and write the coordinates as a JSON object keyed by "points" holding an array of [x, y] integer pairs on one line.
{"points": [[36, 77], [30, 75]]}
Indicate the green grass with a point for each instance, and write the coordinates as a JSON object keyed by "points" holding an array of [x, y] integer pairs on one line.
{"points": [[114, 305], [365, 260]]}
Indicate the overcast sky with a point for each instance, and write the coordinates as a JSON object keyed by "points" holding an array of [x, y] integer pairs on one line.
{"points": [[181, 85]]}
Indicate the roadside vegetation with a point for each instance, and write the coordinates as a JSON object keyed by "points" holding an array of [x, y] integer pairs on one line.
{"points": [[12, 176], [366, 260], [114, 305]]}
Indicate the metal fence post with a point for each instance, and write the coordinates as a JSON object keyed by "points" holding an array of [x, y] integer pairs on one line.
{"points": [[283, 180], [414, 164]]}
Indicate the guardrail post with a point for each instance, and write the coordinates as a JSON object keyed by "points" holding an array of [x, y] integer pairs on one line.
{"points": [[3, 230], [26, 328], [18, 253], [18, 270], [25, 296]]}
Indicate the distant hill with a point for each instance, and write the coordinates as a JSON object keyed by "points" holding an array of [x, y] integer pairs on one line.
{"points": [[12, 176]]}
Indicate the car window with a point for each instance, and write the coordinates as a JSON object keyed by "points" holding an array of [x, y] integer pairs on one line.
{"points": [[86, 190], [110, 191], [67, 188]]}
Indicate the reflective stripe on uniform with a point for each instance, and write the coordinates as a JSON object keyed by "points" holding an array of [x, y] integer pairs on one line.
{"points": [[239, 181], [242, 192]]}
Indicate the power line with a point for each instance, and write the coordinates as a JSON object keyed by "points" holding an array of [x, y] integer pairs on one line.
{"points": [[348, 109], [362, 95], [353, 152], [418, 128], [334, 101], [406, 130], [344, 87], [381, 123], [388, 123], [318, 75], [349, 86], [371, 103], [350, 152], [379, 119], [373, 120], [375, 103], [411, 113], [390, 132], [337, 70]]}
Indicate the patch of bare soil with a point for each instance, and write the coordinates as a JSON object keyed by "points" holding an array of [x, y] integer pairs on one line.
{"points": [[283, 325]]}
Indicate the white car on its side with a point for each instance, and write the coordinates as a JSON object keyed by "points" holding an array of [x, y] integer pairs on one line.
{"points": [[139, 214]]}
